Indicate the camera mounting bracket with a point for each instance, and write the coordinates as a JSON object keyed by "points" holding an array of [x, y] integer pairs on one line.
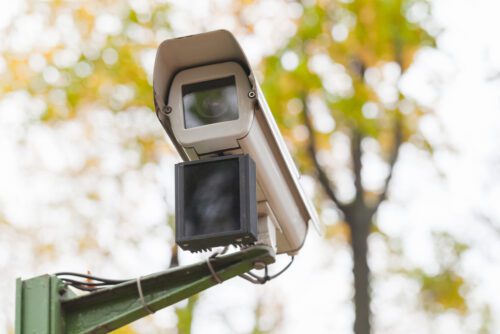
{"points": [[46, 305]]}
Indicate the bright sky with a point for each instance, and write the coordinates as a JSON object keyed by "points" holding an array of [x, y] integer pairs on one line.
{"points": [[445, 193]]}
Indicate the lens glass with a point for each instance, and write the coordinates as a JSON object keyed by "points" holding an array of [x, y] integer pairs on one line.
{"points": [[211, 198], [210, 102]]}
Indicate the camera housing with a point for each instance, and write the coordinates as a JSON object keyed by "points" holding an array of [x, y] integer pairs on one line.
{"points": [[209, 103]]}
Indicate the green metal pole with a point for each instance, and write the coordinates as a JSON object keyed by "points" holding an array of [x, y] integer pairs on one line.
{"points": [[44, 305], [38, 307]]}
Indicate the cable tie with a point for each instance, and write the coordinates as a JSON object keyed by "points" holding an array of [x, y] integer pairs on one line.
{"points": [[141, 296], [212, 271]]}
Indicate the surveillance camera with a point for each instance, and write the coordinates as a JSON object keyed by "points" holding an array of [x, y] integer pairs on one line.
{"points": [[209, 103]]}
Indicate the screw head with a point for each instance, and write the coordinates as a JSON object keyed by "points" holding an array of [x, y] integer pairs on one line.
{"points": [[167, 110], [251, 94]]}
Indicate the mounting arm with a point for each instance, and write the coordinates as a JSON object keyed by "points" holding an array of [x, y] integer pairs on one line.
{"points": [[45, 305]]}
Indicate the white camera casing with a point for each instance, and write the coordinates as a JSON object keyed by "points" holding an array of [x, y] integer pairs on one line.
{"points": [[215, 55]]}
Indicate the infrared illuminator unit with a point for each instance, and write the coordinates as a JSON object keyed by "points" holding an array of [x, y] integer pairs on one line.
{"points": [[238, 184]]}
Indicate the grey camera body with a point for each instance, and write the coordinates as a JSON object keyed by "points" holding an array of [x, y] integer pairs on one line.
{"points": [[209, 103]]}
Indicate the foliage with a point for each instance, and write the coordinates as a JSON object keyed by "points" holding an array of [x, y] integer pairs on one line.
{"points": [[339, 78], [185, 315], [350, 56], [87, 68], [444, 290], [97, 60], [341, 69]]}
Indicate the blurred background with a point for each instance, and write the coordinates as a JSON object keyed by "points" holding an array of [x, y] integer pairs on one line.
{"points": [[391, 109]]}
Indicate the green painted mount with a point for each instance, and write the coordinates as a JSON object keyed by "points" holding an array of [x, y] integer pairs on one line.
{"points": [[44, 304]]}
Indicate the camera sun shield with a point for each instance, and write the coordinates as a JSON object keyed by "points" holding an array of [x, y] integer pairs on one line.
{"points": [[215, 202]]}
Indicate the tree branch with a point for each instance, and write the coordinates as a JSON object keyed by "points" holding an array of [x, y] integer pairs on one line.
{"points": [[398, 135], [398, 140], [321, 174], [357, 165], [488, 221]]}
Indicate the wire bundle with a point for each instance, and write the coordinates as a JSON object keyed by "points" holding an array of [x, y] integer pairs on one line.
{"points": [[92, 283]]}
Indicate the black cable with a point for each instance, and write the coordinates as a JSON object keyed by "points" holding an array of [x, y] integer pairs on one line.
{"points": [[283, 270], [256, 279], [87, 286], [95, 278], [71, 281], [104, 282], [251, 280]]}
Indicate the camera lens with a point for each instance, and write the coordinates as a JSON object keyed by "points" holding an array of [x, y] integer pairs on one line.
{"points": [[210, 102], [214, 106]]}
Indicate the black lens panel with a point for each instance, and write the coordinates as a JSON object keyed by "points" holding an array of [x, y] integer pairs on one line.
{"points": [[211, 198], [216, 202], [210, 102]]}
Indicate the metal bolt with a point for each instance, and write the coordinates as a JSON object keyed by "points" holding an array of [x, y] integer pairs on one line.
{"points": [[62, 290], [251, 94]]}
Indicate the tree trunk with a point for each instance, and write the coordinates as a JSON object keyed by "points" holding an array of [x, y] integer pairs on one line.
{"points": [[360, 228]]}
